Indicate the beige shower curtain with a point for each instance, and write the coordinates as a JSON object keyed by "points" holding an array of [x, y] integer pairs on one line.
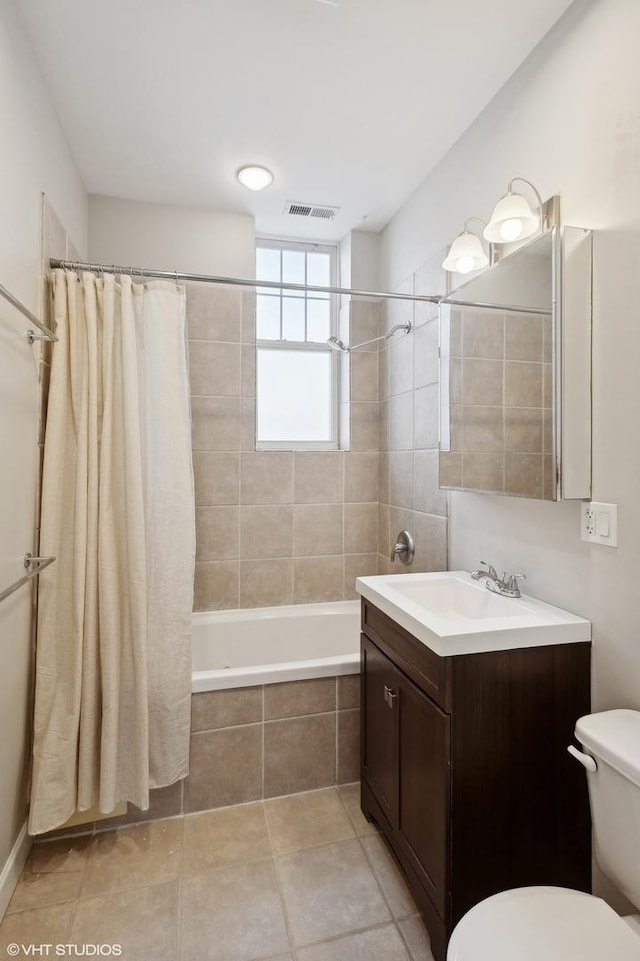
{"points": [[113, 671]]}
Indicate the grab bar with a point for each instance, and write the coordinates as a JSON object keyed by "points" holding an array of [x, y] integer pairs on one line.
{"points": [[45, 333], [29, 559]]}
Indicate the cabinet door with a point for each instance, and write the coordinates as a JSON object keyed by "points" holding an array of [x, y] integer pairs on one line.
{"points": [[425, 789], [380, 728]]}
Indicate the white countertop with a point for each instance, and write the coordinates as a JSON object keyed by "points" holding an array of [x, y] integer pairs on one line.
{"points": [[452, 614]]}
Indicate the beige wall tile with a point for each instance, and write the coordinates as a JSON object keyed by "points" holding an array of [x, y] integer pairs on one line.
{"points": [[383, 477], [401, 421], [401, 358], [431, 543], [348, 692], [317, 529], [266, 531], [348, 746], [523, 474], [214, 709], [455, 332], [216, 477], [523, 429], [145, 925], [482, 382], [361, 528], [318, 579], [364, 375], [248, 423], [214, 313], [361, 476], [401, 466], [455, 380], [483, 472], [428, 496], [216, 909], [214, 369], [482, 334], [299, 754], [426, 366], [266, 583], [549, 491], [222, 838], [426, 417], [364, 318], [523, 337], [266, 477], [383, 371], [483, 429], [364, 425], [384, 425], [217, 585], [248, 370], [299, 698], [215, 423], [217, 533], [384, 541], [450, 464], [248, 316], [522, 384], [547, 340], [547, 385], [318, 477], [225, 768], [357, 565], [548, 421]]}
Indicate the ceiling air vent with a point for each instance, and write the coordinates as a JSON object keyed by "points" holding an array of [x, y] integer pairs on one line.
{"points": [[311, 210]]}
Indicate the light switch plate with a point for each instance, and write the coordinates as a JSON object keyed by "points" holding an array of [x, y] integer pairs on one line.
{"points": [[599, 523]]}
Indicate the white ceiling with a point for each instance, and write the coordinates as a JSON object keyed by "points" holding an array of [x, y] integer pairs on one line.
{"points": [[349, 103]]}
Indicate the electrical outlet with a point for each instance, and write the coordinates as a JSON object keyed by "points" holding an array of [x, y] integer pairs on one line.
{"points": [[599, 523]]}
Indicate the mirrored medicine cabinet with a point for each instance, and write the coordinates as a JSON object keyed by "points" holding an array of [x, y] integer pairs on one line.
{"points": [[515, 373]]}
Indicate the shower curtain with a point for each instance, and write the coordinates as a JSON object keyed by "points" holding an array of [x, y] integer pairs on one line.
{"points": [[113, 663]]}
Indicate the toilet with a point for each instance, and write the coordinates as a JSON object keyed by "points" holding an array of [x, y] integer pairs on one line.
{"points": [[558, 924]]}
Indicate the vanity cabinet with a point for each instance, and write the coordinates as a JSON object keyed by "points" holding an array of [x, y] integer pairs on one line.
{"points": [[466, 771]]}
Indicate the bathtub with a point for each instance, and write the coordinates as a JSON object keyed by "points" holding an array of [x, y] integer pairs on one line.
{"points": [[245, 648]]}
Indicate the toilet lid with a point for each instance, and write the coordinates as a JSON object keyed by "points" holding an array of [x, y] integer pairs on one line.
{"points": [[554, 924]]}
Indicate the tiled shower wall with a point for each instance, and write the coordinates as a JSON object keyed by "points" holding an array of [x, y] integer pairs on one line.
{"points": [[409, 427], [275, 527]]}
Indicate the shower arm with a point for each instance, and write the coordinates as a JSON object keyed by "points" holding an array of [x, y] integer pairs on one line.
{"points": [[340, 345]]}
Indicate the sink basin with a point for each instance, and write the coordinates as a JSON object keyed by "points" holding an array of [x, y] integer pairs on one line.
{"points": [[453, 614]]}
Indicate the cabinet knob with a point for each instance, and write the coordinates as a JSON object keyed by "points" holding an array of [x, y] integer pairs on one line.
{"points": [[389, 696]]}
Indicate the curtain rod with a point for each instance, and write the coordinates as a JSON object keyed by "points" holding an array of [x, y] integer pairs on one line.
{"points": [[177, 275]]}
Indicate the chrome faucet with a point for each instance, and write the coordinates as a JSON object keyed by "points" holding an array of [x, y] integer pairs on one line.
{"points": [[507, 586], [404, 548]]}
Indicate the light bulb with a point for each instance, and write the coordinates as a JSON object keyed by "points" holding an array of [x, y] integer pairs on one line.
{"points": [[511, 229], [464, 265]]}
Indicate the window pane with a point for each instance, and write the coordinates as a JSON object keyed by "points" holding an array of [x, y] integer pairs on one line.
{"points": [[319, 270], [292, 318], [294, 395], [293, 270], [267, 263], [267, 317], [318, 320]]}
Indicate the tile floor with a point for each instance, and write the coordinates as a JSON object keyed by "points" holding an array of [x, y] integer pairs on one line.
{"points": [[299, 878]]}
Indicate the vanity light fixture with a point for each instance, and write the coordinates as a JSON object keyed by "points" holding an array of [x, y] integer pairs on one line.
{"points": [[254, 177], [512, 218], [466, 252]]}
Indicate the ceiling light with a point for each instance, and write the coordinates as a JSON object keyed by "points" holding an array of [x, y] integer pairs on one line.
{"points": [[466, 252], [512, 218], [255, 177]]}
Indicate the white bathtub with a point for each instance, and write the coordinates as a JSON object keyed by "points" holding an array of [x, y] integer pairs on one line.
{"points": [[271, 644]]}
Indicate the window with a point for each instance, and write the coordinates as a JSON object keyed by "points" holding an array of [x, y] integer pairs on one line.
{"points": [[296, 372]]}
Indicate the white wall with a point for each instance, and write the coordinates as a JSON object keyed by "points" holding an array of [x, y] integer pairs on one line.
{"points": [[569, 120], [34, 159], [167, 237]]}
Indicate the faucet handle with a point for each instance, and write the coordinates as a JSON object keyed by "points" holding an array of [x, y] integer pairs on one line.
{"points": [[512, 581]]}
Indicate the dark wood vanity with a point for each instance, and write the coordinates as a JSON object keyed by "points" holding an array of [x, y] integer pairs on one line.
{"points": [[466, 771]]}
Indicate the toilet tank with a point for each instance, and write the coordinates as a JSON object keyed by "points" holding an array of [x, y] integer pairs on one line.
{"points": [[613, 738]]}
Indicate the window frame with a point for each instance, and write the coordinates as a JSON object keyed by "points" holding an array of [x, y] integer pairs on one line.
{"points": [[306, 246]]}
